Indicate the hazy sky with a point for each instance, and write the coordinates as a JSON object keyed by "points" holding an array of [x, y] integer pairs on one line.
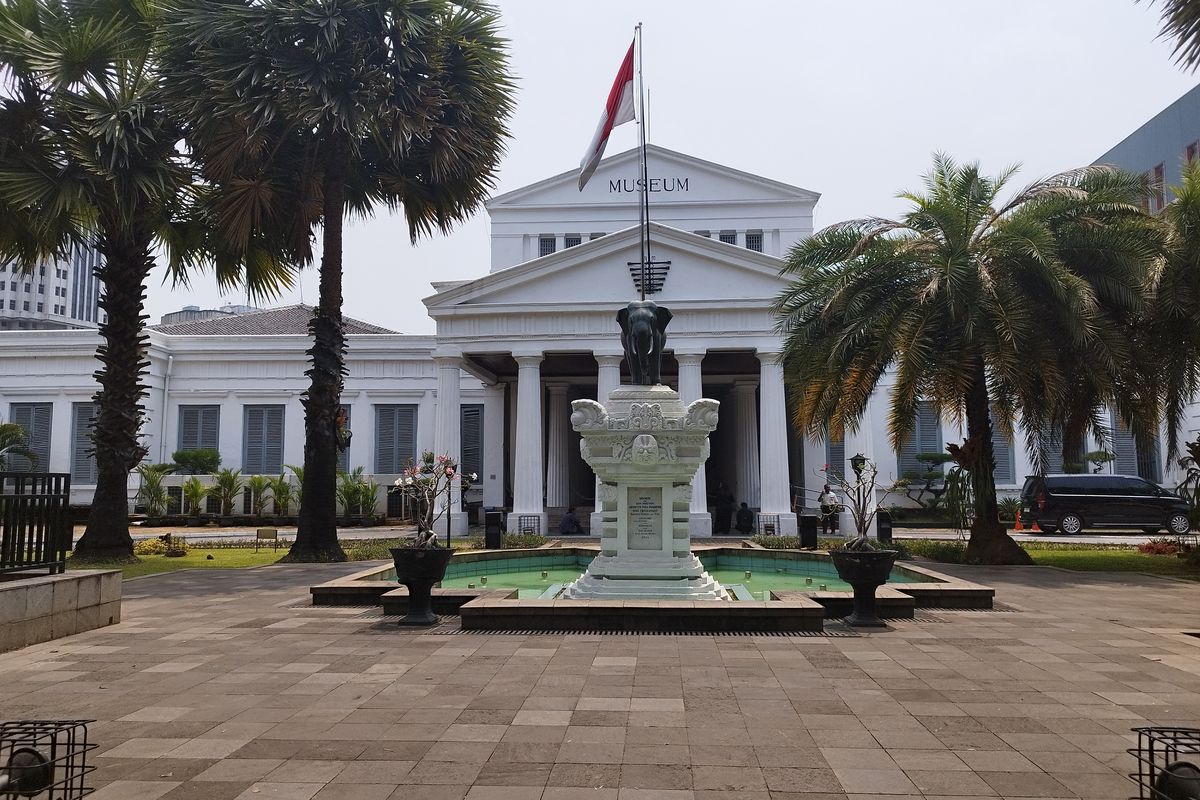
{"points": [[845, 97]]}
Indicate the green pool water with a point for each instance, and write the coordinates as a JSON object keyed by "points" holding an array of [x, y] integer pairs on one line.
{"points": [[802, 573]]}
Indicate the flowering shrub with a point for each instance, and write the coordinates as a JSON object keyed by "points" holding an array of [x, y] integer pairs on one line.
{"points": [[1160, 547], [430, 484]]}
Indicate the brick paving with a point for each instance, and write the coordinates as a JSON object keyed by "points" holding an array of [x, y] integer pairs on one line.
{"points": [[223, 685]]}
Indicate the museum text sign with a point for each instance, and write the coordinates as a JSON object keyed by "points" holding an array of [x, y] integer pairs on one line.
{"points": [[623, 185]]}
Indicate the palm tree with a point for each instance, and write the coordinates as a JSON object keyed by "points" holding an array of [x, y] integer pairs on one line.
{"points": [[1170, 328], [1181, 22], [305, 110], [13, 442], [88, 157], [970, 304]]}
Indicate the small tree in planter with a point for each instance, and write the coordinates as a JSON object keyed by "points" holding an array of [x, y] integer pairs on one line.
{"points": [[1099, 458], [430, 484], [282, 492], [259, 486], [152, 493], [194, 493], [858, 563], [226, 489]]}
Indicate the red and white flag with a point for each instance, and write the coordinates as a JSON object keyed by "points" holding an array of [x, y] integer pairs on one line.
{"points": [[618, 110]]}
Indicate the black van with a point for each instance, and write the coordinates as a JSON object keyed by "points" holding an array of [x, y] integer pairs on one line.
{"points": [[1071, 503]]}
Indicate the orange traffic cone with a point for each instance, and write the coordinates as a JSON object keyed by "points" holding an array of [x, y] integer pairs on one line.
{"points": [[1034, 527], [1017, 528]]}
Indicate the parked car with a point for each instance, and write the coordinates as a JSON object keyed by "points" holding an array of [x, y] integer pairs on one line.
{"points": [[1070, 503]]}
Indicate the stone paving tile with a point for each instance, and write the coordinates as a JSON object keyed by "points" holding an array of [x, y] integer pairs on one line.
{"points": [[247, 694]]}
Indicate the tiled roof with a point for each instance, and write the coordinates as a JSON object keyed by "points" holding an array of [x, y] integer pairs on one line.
{"points": [[290, 320]]}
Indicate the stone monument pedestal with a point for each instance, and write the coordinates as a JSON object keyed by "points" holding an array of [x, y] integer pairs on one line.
{"points": [[645, 447]]}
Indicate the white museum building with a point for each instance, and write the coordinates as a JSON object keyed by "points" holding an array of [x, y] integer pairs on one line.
{"points": [[513, 348]]}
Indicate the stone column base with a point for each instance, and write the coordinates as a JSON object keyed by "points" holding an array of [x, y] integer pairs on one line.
{"points": [[514, 521], [699, 525], [788, 525]]}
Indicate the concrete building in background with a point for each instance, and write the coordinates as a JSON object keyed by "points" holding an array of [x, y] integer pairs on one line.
{"points": [[1161, 147], [55, 295]]}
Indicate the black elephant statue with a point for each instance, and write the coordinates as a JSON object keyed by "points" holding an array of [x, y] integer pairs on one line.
{"points": [[643, 335]]}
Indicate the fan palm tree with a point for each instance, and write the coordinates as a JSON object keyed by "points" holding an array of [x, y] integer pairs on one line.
{"points": [[973, 305], [305, 110], [88, 157], [13, 442]]}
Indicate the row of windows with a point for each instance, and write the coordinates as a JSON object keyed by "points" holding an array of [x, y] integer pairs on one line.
{"points": [[926, 437], [548, 243], [262, 436], [395, 436], [58, 309], [754, 239], [58, 273]]}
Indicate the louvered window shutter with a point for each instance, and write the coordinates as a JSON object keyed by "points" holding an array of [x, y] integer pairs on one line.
{"points": [[35, 419], [83, 458], [835, 457], [406, 436], [199, 427], [272, 461], [385, 440], [929, 428], [1003, 450], [1123, 447], [343, 463], [210, 427], [471, 459], [263, 440]]}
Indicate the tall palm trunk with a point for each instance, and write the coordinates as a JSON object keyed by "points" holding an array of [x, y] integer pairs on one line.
{"points": [[316, 533], [127, 263], [990, 542]]}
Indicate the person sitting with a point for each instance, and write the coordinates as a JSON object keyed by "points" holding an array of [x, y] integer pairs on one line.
{"points": [[569, 525], [745, 520], [830, 508]]}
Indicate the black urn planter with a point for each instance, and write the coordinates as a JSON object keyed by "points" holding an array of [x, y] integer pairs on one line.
{"points": [[865, 571], [419, 569]]}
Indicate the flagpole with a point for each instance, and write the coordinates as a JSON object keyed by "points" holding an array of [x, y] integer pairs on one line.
{"points": [[644, 198]]}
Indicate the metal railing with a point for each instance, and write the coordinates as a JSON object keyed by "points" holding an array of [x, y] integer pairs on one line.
{"points": [[35, 523]]}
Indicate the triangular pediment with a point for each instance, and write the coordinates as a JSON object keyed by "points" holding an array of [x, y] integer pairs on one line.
{"points": [[674, 177], [700, 270]]}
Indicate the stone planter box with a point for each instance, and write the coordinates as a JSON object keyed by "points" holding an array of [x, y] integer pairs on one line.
{"points": [[44, 607]]}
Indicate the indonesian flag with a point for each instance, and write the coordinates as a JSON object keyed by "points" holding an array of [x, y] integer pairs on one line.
{"points": [[618, 110]]}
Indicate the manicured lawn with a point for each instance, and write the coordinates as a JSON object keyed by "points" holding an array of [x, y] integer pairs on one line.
{"points": [[222, 558], [1114, 561]]}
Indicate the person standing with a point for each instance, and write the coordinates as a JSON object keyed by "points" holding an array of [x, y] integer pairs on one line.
{"points": [[830, 508]]}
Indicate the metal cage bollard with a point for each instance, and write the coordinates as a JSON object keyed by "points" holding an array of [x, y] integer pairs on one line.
{"points": [[1164, 769], [49, 757]]}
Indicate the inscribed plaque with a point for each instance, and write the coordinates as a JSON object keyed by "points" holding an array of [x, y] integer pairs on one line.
{"points": [[644, 518]]}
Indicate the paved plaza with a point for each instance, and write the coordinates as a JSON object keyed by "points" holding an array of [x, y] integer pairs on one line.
{"points": [[226, 685]]}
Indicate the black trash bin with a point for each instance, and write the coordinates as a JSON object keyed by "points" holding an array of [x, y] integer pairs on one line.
{"points": [[492, 526], [883, 526], [808, 532]]}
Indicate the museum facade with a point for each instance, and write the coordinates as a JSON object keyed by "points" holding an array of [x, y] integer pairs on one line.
{"points": [[512, 349]]}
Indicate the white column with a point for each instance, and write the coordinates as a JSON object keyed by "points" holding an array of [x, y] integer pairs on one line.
{"points": [[747, 443], [774, 473], [691, 388], [608, 379], [557, 490], [527, 473], [447, 432]]}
